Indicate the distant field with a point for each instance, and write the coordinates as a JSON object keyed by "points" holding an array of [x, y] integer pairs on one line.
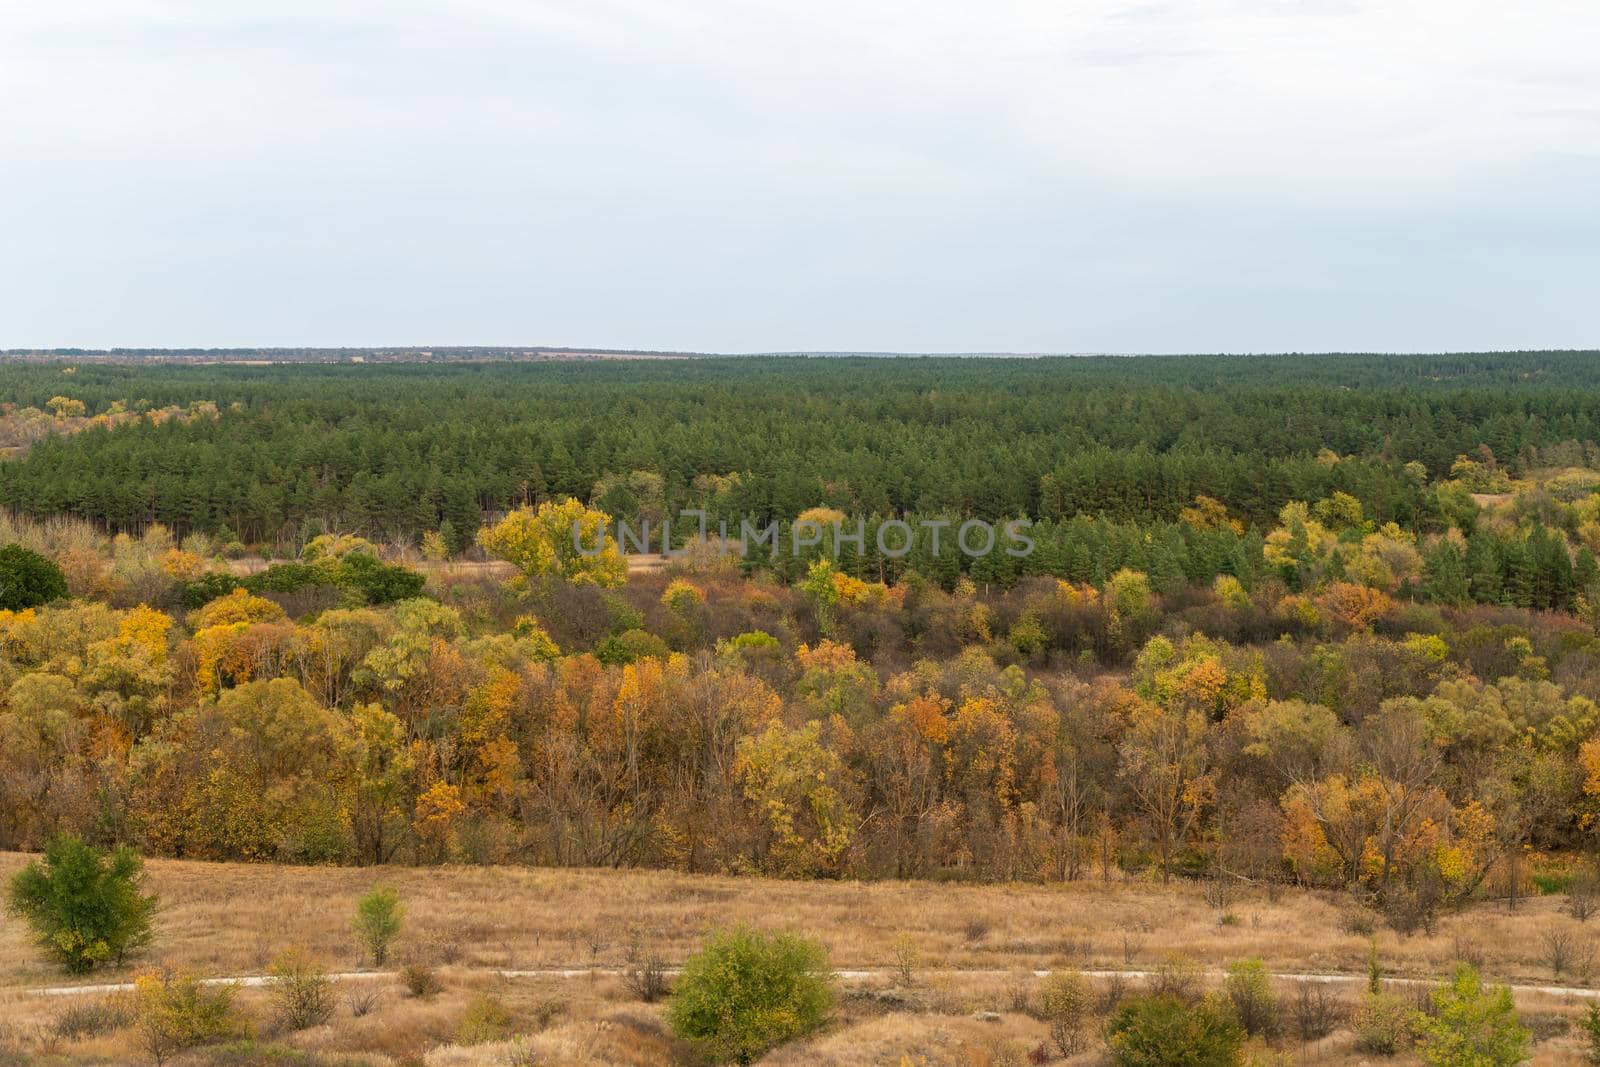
{"points": [[973, 950]]}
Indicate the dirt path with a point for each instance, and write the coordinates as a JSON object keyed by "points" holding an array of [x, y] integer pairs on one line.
{"points": [[567, 973]]}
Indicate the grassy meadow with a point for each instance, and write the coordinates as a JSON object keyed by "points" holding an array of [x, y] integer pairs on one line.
{"points": [[948, 968]]}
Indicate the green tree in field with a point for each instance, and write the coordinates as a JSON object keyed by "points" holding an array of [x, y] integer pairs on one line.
{"points": [[747, 992], [28, 579], [84, 905], [378, 918], [1474, 1026]]}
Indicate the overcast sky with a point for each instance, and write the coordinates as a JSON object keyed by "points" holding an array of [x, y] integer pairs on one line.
{"points": [[739, 175]]}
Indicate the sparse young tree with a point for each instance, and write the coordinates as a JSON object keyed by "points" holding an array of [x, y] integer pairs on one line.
{"points": [[379, 915]]}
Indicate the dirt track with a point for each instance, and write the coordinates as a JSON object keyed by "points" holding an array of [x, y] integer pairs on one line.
{"points": [[568, 973]]}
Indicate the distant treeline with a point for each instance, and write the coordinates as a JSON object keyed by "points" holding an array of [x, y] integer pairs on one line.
{"points": [[400, 354], [397, 450]]}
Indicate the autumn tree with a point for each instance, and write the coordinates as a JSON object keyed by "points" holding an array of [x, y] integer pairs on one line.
{"points": [[1165, 761], [377, 797], [562, 540], [794, 784], [251, 776]]}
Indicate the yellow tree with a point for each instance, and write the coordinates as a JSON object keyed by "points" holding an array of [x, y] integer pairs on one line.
{"points": [[706, 714], [564, 540], [129, 676], [1165, 759], [981, 775], [794, 783], [378, 796], [1209, 514], [905, 754], [1354, 607], [41, 732]]}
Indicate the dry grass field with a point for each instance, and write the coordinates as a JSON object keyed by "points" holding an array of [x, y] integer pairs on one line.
{"points": [[939, 956]]}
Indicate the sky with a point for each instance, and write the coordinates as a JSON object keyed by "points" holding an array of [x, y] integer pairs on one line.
{"points": [[749, 175]]}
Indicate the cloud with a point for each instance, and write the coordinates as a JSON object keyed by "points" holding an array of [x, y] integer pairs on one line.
{"points": [[932, 174]]}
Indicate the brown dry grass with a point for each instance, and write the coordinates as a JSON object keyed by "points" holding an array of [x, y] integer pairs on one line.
{"points": [[231, 919], [220, 918]]}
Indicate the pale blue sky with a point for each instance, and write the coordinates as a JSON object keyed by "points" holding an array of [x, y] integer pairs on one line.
{"points": [[739, 175]]}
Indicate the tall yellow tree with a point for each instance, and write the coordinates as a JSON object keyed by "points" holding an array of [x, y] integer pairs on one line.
{"points": [[564, 540], [1165, 759]]}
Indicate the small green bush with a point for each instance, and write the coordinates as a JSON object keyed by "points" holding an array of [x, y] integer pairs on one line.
{"points": [[1591, 1031], [84, 905], [747, 992], [378, 918], [485, 1019], [1473, 1026], [1384, 1024], [28, 579], [630, 646], [1163, 1031], [1550, 883]]}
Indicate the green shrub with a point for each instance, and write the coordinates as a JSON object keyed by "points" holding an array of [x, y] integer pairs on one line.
{"points": [[750, 640], [1163, 1031], [746, 992], [1384, 1024], [208, 587], [301, 989], [1255, 1005], [177, 1011], [485, 1019], [378, 918], [28, 579], [361, 577], [630, 646], [375, 581], [1066, 1003], [84, 905], [1591, 1031], [1473, 1026]]}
